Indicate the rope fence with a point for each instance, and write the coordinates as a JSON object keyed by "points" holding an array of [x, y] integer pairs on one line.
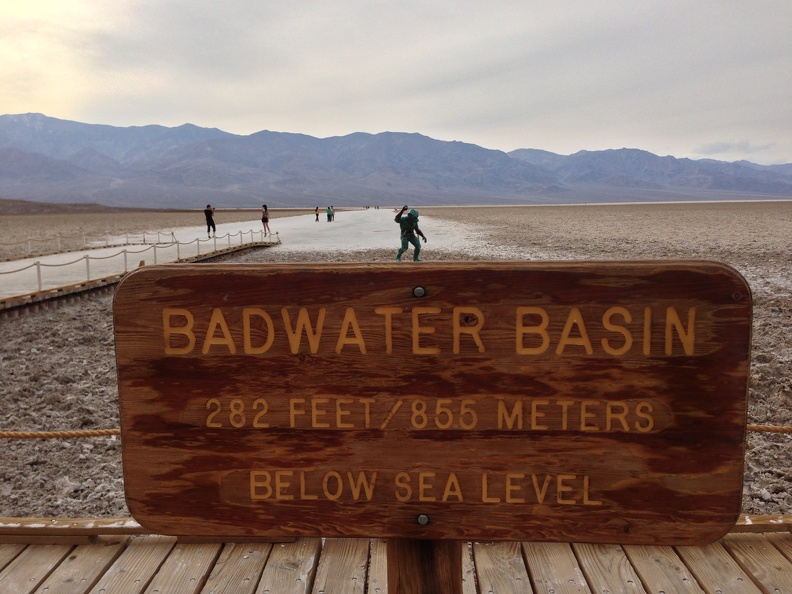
{"points": [[39, 246], [119, 263], [117, 431]]}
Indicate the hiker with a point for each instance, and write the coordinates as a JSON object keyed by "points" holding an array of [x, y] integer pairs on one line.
{"points": [[409, 229], [316, 212], [210, 224]]}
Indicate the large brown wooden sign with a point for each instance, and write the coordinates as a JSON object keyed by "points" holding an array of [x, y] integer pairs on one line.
{"points": [[599, 402]]}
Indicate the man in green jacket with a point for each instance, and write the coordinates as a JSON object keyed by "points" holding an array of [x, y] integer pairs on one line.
{"points": [[409, 230]]}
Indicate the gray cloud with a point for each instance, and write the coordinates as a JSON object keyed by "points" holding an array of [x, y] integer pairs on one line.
{"points": [[666, 76]]}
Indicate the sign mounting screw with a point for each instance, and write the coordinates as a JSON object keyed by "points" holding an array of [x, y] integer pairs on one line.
{"points": [[419, 291], [423, 519]]}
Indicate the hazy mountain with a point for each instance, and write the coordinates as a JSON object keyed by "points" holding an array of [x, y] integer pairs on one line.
{"points": [[53, 160]]}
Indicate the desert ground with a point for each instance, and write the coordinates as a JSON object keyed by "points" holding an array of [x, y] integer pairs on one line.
{"points": [[59, 372]]}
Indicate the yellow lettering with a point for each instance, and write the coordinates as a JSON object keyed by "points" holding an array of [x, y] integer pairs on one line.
{"points": [[303, 494], [608, 325], [562, 488], [350, 320], [686, 337], [388, 312], [362, 482], [247, 314], [535, 414], [316, 413], [575, 318], [540, 493], [586, 499], [504, 418], [511, 487], [610, 415], [541, 330], [452, 488], [303, 323], [417, 330], [424, 486], [294, 411], [468, 313], [186, 330], [340, 413], [218, 321], [332, 496], [565, 404], [402, 481], [485, 498], [584, 414], [639, 411], [282, 485], [367, 402], [260, 480]]}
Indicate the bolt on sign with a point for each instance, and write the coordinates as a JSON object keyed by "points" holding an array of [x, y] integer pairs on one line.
{"points": [[594, 402]]}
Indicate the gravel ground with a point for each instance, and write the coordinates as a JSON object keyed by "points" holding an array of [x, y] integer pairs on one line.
{"points": [[59, 372]]}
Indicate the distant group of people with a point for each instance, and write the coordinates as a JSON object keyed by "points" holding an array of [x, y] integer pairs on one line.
{"points": [[408, 225]]}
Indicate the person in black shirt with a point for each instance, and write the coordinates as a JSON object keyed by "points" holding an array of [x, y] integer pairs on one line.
{"points": [[210, 224]]}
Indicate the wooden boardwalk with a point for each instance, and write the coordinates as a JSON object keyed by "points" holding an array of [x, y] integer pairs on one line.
{"points": [[117, 556]]}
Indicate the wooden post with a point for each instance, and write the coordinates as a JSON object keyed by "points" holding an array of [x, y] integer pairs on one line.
{"points": [[424, 566]]}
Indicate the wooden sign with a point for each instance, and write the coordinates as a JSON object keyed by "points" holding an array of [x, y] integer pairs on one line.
{"points": [[589, 402]]}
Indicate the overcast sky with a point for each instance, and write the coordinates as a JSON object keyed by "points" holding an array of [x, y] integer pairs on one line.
{"points": [[689, 78]]}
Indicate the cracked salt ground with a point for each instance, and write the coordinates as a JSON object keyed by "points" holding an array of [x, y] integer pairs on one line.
{"points": [[58, 365]]}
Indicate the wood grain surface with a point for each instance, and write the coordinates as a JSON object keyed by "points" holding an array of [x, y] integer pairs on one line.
{"points": [[595, 401]]}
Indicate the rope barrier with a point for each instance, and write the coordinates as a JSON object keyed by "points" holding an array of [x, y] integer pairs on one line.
{"points": [[58, 434], [108, 432], [769, 429]]}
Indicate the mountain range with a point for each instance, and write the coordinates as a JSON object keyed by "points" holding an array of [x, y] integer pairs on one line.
{"points": [[58, 161]]}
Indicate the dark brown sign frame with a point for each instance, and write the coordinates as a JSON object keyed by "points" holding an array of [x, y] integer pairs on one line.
{"points": [[561, 401]]}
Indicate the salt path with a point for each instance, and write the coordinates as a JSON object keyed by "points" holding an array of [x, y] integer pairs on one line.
{"points": [[350, 231]]}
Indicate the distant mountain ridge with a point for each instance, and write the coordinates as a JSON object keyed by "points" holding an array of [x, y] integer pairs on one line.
{"points": [[52, 160]]}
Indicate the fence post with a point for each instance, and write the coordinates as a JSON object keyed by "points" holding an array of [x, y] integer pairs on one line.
{"points": [[125, 262], [178, 253], [87, 267], [38, 274], [155, 251]]}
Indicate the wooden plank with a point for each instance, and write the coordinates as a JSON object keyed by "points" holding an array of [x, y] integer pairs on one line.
{"points": [[8, 553], [783, 542], [758, 557], [238, 569], [607, 568], [469, 585], [342, 566], [715, 570], [186, 569], [500, 567], [378, 567], [774, 523], [137, 565], [424, 566], [661, 569], [291, 567], [83, 567], [554, 569], [31, 567], [274, 410], [69, 526], [41, 540]]}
